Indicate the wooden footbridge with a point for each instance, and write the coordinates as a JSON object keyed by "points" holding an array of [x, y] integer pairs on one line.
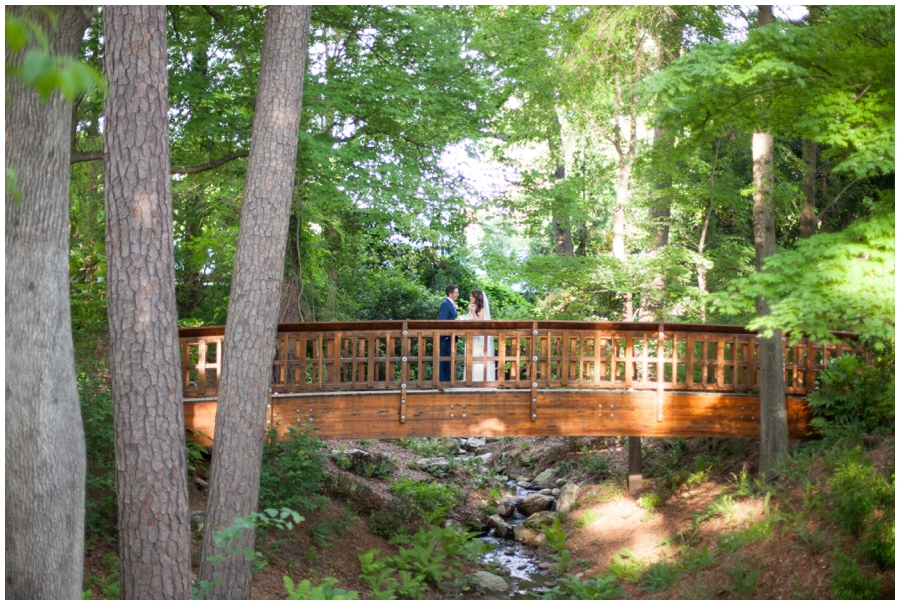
{"points": [[379, 380]]}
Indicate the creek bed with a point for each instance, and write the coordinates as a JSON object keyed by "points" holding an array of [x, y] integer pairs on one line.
{"points": [[525, 578]]}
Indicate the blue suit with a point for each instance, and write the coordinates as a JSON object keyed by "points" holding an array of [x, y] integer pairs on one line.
{"points": [[447, 311]]}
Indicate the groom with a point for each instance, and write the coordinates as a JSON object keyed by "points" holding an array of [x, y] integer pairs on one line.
{"points": [[447, 311]]}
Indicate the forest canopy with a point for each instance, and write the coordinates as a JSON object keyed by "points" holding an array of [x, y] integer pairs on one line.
{"points": [[562, 158]]}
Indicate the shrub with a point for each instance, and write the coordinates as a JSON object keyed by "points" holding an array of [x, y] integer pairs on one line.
{"points": [[401, 515], [857, 491], [855, 392], [430, 448], [347, 489], [293, 471], [434, 498], [848, 581]]}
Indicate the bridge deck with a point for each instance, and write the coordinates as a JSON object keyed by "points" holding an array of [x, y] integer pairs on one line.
{"points": [[378, 379]]}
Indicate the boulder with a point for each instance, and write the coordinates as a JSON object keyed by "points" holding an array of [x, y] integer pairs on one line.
{"points": [[523, 484], [486, 459], [431, 464], [546, 492], [524, 534], [494, 520], [361, 462], [505, 508], [539, 540], [535, 503], [489, 583], [502, 529], [546, 478], [567, 497], [542, 518], [560, 482], [473, 443]]}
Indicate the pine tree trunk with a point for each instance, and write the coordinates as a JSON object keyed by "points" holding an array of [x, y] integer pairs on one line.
{"points": [[145, 361], [45, 450], [773, 409], [253, 306]]}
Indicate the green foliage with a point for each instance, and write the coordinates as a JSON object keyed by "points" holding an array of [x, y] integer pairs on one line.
{"points": [[830, 281], [97, 417], [812, 541], [857, 491], [400, 515], [109, 585], [848, 581], [195, 450], [430, 447], [626, 566], [601, 587], [696, 560], [39, 69], [855, 392], [556, 536], [293, 471], [744, 582], [432, 497], [761, 530], [598, 464], [323, 531], [651, 501], [433, 556], [660, 576], [345, 488], [305, 591]]}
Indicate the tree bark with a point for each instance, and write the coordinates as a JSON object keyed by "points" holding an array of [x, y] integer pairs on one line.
{"points": [[809, 218], [651, 297], [145, 361], [45, 450], [253, 306], [773, 410]]}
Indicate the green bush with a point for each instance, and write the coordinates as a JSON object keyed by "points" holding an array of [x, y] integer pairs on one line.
{"points": [[434, 498], [293, 471], [347, 489], [857, 491], [848, 581], [659, 576], [878, 543], [855, 392], [430, 448], [401, 515]]}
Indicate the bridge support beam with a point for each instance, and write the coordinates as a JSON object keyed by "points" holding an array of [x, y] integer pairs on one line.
{"points": [[635, 470]]}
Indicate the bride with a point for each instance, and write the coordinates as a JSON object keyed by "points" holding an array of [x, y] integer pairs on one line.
{"points": [[480, 310]]}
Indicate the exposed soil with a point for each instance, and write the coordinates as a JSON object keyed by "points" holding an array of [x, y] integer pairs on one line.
{"points": [[605, 523]]}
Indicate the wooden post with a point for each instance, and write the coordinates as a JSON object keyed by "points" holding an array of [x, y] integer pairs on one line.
{"points": [[635, 476]]}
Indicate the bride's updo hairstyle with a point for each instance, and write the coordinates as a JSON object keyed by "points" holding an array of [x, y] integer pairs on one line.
{"points": [[478, 295]]}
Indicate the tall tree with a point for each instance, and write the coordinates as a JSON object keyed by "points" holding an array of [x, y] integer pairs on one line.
{"points": [[45, 451], [253, 306], [145, 363], [772, 405]]}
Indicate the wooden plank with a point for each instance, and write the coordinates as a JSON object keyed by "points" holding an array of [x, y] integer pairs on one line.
{"points": [[504, 413]]}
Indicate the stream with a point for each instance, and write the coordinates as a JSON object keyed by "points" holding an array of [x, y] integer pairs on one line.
{"points": [[525, 577]]}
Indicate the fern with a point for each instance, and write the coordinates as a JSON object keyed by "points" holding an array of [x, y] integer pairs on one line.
{"points": [[306, 591]]}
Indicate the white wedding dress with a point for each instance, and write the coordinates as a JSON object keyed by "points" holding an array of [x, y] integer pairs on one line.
{"points": [[478, 349]]}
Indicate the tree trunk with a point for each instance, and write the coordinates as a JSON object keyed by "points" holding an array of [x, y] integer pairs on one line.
{"points": [[256, 286], [809, 218], [618, 243], [45, 451], [773, 410], [660, 212], [145, 361]]}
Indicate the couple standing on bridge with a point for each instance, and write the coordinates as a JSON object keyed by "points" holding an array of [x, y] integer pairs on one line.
{"points": [[479, 310]]}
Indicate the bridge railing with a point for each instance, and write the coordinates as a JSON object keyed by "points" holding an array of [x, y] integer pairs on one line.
{"points": [[395, 355]]}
